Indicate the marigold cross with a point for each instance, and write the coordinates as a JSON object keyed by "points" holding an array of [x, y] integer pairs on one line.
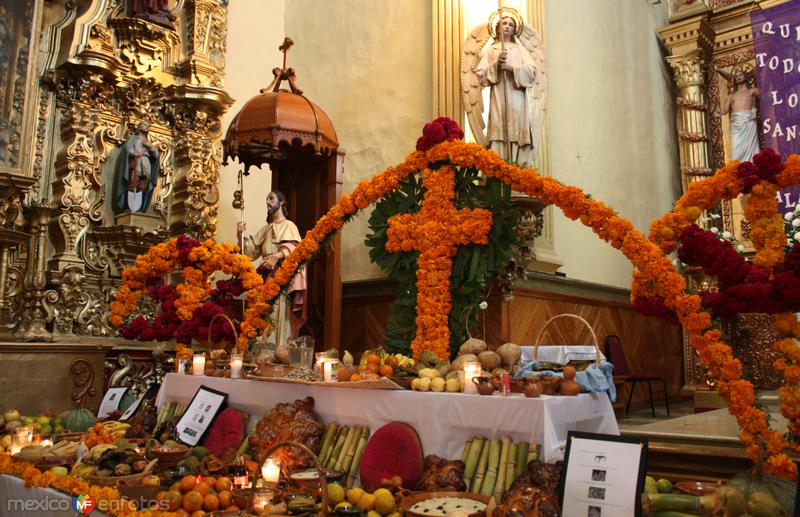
{"points": [[436, 231]]}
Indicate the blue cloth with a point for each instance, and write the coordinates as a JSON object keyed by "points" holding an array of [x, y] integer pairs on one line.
{"points": [[592, 379]]}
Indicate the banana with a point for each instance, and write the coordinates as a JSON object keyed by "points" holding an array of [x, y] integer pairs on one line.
{"points": [[98, 450]]}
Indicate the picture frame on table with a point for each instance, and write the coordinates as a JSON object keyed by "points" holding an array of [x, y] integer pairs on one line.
{"points": [[203, 409], [603, 475]]}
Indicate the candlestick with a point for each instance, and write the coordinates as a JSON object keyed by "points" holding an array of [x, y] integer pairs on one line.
{"points": [[271, 471], [330, 366], [199, 364], [471, 369], [236, 366]]}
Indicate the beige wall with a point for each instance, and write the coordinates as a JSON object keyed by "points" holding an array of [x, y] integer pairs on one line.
{"points": [[255, 30], [368, 65], [611, 123]]}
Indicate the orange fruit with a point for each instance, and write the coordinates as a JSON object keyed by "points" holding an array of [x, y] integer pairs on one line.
{"points": [[392, 361], [355, 377], [188, 483], [199, 513], [344, 373], [386, 370], [371, 376], [180, 512], [173, 501], [372, 368], [203, 488], [192, 501], [232, 508], [223, 484], [210, 503], [373, 359], [225, 498]]}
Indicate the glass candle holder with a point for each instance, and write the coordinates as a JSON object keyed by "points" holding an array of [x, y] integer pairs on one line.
{"points": [[236, 366], [271, 471], [472, 369], [199, 364]]}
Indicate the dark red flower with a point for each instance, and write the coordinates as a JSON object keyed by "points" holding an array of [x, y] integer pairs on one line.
{"points": [[439, 130]]}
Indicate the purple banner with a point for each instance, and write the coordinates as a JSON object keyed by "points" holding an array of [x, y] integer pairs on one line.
{"points": [[776, 39]]}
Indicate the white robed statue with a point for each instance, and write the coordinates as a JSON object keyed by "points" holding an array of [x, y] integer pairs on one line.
{"points": [[513, 67], [742, 106]]}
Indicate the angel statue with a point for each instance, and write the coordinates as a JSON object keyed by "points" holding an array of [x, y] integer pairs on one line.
{"points": [[513, 66]]}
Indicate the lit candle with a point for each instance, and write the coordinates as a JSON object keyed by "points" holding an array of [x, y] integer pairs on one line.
{"points": [[330, 366], [199, 364], [271, 471], [262, 498], [472, 369], [46, 443], [236, 366]]}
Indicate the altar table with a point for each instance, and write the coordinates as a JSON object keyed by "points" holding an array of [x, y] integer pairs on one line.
{"points": [[444, 421]]}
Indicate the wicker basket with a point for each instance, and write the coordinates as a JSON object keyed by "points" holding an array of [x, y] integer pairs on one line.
{"points": [[575, 317]]}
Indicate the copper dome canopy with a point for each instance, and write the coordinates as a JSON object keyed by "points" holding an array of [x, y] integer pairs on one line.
{"points": [[275, 120]]}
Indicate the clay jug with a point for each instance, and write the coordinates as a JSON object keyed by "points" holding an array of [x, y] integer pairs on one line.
{"points": [[532, 389], [484, 384], [569, 386]]}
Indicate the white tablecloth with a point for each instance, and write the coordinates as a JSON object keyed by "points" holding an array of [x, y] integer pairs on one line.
{"points": [[444, 421], [561, 354], [18, 501]]}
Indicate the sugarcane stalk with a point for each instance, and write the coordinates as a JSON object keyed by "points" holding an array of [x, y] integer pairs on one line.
{"points": [[499, 487], [351, 451], [323, 457], [510, 464], [522, 457], [474, 484], [330, 429], [465, 452], [338, 454], [337, 447], [487, 488], [362, 444], [473, 456]]}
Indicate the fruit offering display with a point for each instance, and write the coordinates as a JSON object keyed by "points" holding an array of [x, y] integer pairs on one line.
{"points": [[106, 432], [45, 424], [196, 495], [342, 448], [381, 502], [375, 364]]}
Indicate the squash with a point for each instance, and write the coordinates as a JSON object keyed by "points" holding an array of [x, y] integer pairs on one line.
{"points": [[78, 420], [781, 490]]}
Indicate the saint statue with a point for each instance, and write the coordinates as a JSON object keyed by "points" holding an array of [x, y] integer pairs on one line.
{"points": [[741, 105], [513, 67], [138, 172], [272, 244], [156, 11]]}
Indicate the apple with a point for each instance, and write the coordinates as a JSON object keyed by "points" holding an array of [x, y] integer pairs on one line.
{"points": [[151, 480], [5, 441], [59, 471], [11, 415], [43, 421]]}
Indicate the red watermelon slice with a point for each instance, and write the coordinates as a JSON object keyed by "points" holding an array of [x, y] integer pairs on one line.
{"points": [[394, 450]]}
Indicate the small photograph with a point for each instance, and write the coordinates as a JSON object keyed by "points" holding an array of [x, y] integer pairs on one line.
{"points": [[599, 475], [596, 492], [600, 458], [203, 418], [113, 396], [593, 511], [208, 408]]}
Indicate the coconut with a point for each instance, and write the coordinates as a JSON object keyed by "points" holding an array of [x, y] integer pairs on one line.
{"points": [[473, 346], [458, 364]]}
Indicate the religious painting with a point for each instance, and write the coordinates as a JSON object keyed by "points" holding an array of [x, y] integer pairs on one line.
{"points": [[16, 20]]}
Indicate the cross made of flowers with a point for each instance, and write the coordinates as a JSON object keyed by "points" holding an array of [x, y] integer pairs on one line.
{"points": [[436, 231]]}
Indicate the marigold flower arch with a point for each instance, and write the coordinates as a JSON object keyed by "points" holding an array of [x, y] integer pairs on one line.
{"points": [[655, 274]]}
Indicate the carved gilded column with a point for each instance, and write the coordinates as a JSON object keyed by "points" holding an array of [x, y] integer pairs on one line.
{"points": [[448, 38], [690, 44]]}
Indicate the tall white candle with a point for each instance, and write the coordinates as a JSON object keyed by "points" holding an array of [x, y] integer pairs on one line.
{"points": [[472, 369], [271, 471], [199, 364], [236, 366]]}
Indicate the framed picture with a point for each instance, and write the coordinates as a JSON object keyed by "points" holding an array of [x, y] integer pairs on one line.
{"points": [[603, 475], [206, 404]]}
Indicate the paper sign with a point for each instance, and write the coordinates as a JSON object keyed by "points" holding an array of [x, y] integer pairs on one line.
{"points": [[111, 401], [132, 408], [203, 409], [604, 475]]}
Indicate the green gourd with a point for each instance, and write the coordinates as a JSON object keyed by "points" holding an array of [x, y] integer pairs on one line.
{"points": [[78, 420], [780, 489]]}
